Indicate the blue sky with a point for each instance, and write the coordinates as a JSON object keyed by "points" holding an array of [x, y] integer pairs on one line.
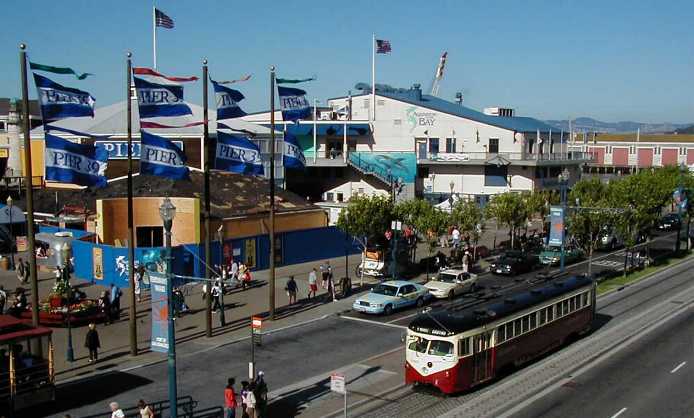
{"points": [[612, 60]]}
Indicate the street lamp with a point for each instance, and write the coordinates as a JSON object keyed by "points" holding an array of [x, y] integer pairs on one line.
{"points": [[167, 212], [395, 226], [563, 179], [682, 201], [70, 352], [12, 244], [220, 235]]}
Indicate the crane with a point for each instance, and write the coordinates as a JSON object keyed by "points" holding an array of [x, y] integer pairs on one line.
{"points": [[439, 74]]}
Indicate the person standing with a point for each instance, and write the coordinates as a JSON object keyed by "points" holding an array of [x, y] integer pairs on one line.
{"points": [[230, 399], [331, 287], [234, 270], [250, 400], [26, 271], [91, 342], [216, 293], [20, 271], [138, 282], [260, 393], [116, 412], [325, 270], [291, 289], [456, 237], [3, 299], [145, 410], [244, 397], [466, 262], [313, 287], [115, 302]]}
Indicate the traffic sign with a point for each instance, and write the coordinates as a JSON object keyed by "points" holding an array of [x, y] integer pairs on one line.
{"points": [[337, 382], [256, 322]]}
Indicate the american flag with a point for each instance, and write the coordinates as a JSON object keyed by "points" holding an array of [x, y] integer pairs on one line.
{"points": [[382, 46], [163, 20]]}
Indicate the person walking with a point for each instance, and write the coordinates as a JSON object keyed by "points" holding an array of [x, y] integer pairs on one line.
{"points": [[104, 305], [216, 293], [91, 342], [116, 412], [20, 271], [331, 287], [291, 289], [115, 295], [455, 234], [234, 270], [260, 393], [230, 399], [145, 410], [326, 271], [3, 299], [312, 286], [138, 282]]}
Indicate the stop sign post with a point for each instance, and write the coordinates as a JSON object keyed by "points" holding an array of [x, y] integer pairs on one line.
{"points": [[338, 385], [256, 326]]}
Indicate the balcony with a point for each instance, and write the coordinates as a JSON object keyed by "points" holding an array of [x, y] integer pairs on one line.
{"points": [[519, 158]]}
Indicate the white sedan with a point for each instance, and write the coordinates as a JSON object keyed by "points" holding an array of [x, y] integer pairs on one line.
{"points": [[451, 282]]}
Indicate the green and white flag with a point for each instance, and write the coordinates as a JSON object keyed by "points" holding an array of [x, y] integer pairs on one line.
{"points": [[58, 70]]}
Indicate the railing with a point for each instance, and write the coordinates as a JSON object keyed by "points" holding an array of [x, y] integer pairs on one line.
{"points": [[19, 182], [371, 169], [186, 408], [511, 156]]}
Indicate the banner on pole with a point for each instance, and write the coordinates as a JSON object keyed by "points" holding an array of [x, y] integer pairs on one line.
{"points": [[68, 162], [159, 288], [60, 102], [556, 231], [293, 103]]}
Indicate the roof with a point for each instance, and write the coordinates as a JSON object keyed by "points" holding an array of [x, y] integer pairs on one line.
{"points": [[33, 107], [460, 319], [12, 328], [515, 123], [231, 194], [631, 137], [112, 120], [397, 282]]}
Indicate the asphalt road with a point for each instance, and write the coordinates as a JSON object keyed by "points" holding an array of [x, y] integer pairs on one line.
{"points": [[653, 377]]}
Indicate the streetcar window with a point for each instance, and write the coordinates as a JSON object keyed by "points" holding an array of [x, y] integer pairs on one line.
{"points": [[578, 301], [550, 314], [526, 323], [533, 320], [584, 299], [465, 346], [509, 331], [518, 327], [543, 316], [501, 334], [440, 348], [572, 304], [565, 307], [418, 344]]}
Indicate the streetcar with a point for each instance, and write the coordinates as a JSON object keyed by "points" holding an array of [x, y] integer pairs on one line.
{"points": [[463, 346], [27, 375]]}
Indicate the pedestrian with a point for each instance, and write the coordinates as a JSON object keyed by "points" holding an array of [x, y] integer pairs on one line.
{"points": [[115, 294], [244, 399], [250, 400], [466, 262], [455, 234], [234, 269], [116, 412], [20, 271], [27, 271], [246, 278], [91, 342], [291, 290], [313, 288], [230, 399], [137, 280], [326, 270], [260, 394], [331, 287], [3, 299], [104, 305], [145, 410], [216, 293]]}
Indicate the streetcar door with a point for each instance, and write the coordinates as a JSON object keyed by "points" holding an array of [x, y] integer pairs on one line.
{"points": [[482, 357]]}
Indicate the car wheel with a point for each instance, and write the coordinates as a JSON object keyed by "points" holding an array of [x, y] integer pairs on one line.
{"points": [[420, 301], [388, 309], [451, 295]]}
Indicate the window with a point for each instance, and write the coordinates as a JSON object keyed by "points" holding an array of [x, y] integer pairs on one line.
{"points": [[464, 345], [397, 122], [380, 102], [440, 348], [418, 344], [450, 145], [501, 334], [329, 197], [495, 175], [550, 313], [518, 327], [433, 145], [494, 145], [367, 103], [509, 330], [543, 316], [533, 320], [360, 190], [526, 323], [565, 307], [584, 299], [572, 304], [340, 197]]}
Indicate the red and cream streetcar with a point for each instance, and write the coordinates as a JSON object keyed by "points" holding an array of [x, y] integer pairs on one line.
{"points": [[461, 347]]}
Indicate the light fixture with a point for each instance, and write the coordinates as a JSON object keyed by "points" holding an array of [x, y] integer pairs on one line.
{"points": [[167, 210]]}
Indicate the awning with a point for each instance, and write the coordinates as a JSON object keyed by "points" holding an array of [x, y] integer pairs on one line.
{"points": [[16, 216]]}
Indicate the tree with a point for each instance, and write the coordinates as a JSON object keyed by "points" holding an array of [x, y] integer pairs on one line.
{"points": [[418, 213], [470, 219], [508, 209], [432, 223], [366, 217]]}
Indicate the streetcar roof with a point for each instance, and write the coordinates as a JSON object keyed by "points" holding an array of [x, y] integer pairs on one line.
{"points": [[460, 318], [12, 329]]}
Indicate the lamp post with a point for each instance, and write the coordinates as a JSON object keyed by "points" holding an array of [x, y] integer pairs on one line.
{"points": [[220, 235], [70, 352], [12, 244], [167, 211], [395, 226], [682, 201], [563, 179]]}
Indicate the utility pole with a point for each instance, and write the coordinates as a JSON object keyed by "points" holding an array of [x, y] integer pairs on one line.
{"points": [[271, 287], [132, 309], [206, 192]]}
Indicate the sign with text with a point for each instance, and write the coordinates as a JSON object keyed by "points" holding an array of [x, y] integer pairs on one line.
{"points": [[337, 383], [256, 322], [556, 231], [118, 150], [159, 289], [98, 264]]}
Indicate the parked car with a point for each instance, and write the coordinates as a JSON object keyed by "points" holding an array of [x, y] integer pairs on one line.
{"points": [[388, 296], [513, 262], [552, 255], [670, 222], [609, 240], [451, 282]]}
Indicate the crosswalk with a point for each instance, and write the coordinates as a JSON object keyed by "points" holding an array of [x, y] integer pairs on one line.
{"points": [[609, 263]]}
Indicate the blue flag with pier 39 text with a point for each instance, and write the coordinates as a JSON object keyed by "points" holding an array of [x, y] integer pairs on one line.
{"points": [[237, 154], [68, 162], [227, 102], [292, 154], [293, 103], [160, 100], [161, 157], [60, 102]]}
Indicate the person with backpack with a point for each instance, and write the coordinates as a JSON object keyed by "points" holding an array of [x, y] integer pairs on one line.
{"points": [[230, 399]]}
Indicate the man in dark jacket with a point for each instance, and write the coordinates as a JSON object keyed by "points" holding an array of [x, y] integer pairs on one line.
{"points": [[91, 342]]}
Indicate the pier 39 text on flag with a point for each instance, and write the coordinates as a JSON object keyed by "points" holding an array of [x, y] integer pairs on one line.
{"points": [[293, 103], [59, 102], [293, 155], [68, 162], [227, 102], [159, 95], [237, 154], [161, 157]]}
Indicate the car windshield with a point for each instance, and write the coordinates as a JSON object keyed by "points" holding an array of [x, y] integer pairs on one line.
{"points": [[418, 344], [383, 289], [440, 348], [431, 347], [446, 277]]}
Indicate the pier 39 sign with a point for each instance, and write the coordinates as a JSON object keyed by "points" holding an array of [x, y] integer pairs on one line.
{"points": [[118, 150]]}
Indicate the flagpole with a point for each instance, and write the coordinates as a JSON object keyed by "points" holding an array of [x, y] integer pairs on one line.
{"points": [[132, 312], [373, 77], [154, 34], [206, 192], [271, 287], [28, 180]]}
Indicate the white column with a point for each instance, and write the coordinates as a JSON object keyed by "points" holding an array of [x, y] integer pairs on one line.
{"points": [[315, 126], [344, 143], [154, 36], [373, 77]]}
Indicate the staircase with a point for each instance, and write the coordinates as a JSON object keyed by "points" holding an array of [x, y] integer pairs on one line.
{"points": [[370, 169]]}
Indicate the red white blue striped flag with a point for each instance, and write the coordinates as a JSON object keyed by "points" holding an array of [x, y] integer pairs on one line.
{"points": [[162, 20], [382, 46]]}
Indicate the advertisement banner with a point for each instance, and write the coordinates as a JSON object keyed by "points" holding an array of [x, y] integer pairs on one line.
{"points": [[98, 264], [160, 312], [556, 231]]}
